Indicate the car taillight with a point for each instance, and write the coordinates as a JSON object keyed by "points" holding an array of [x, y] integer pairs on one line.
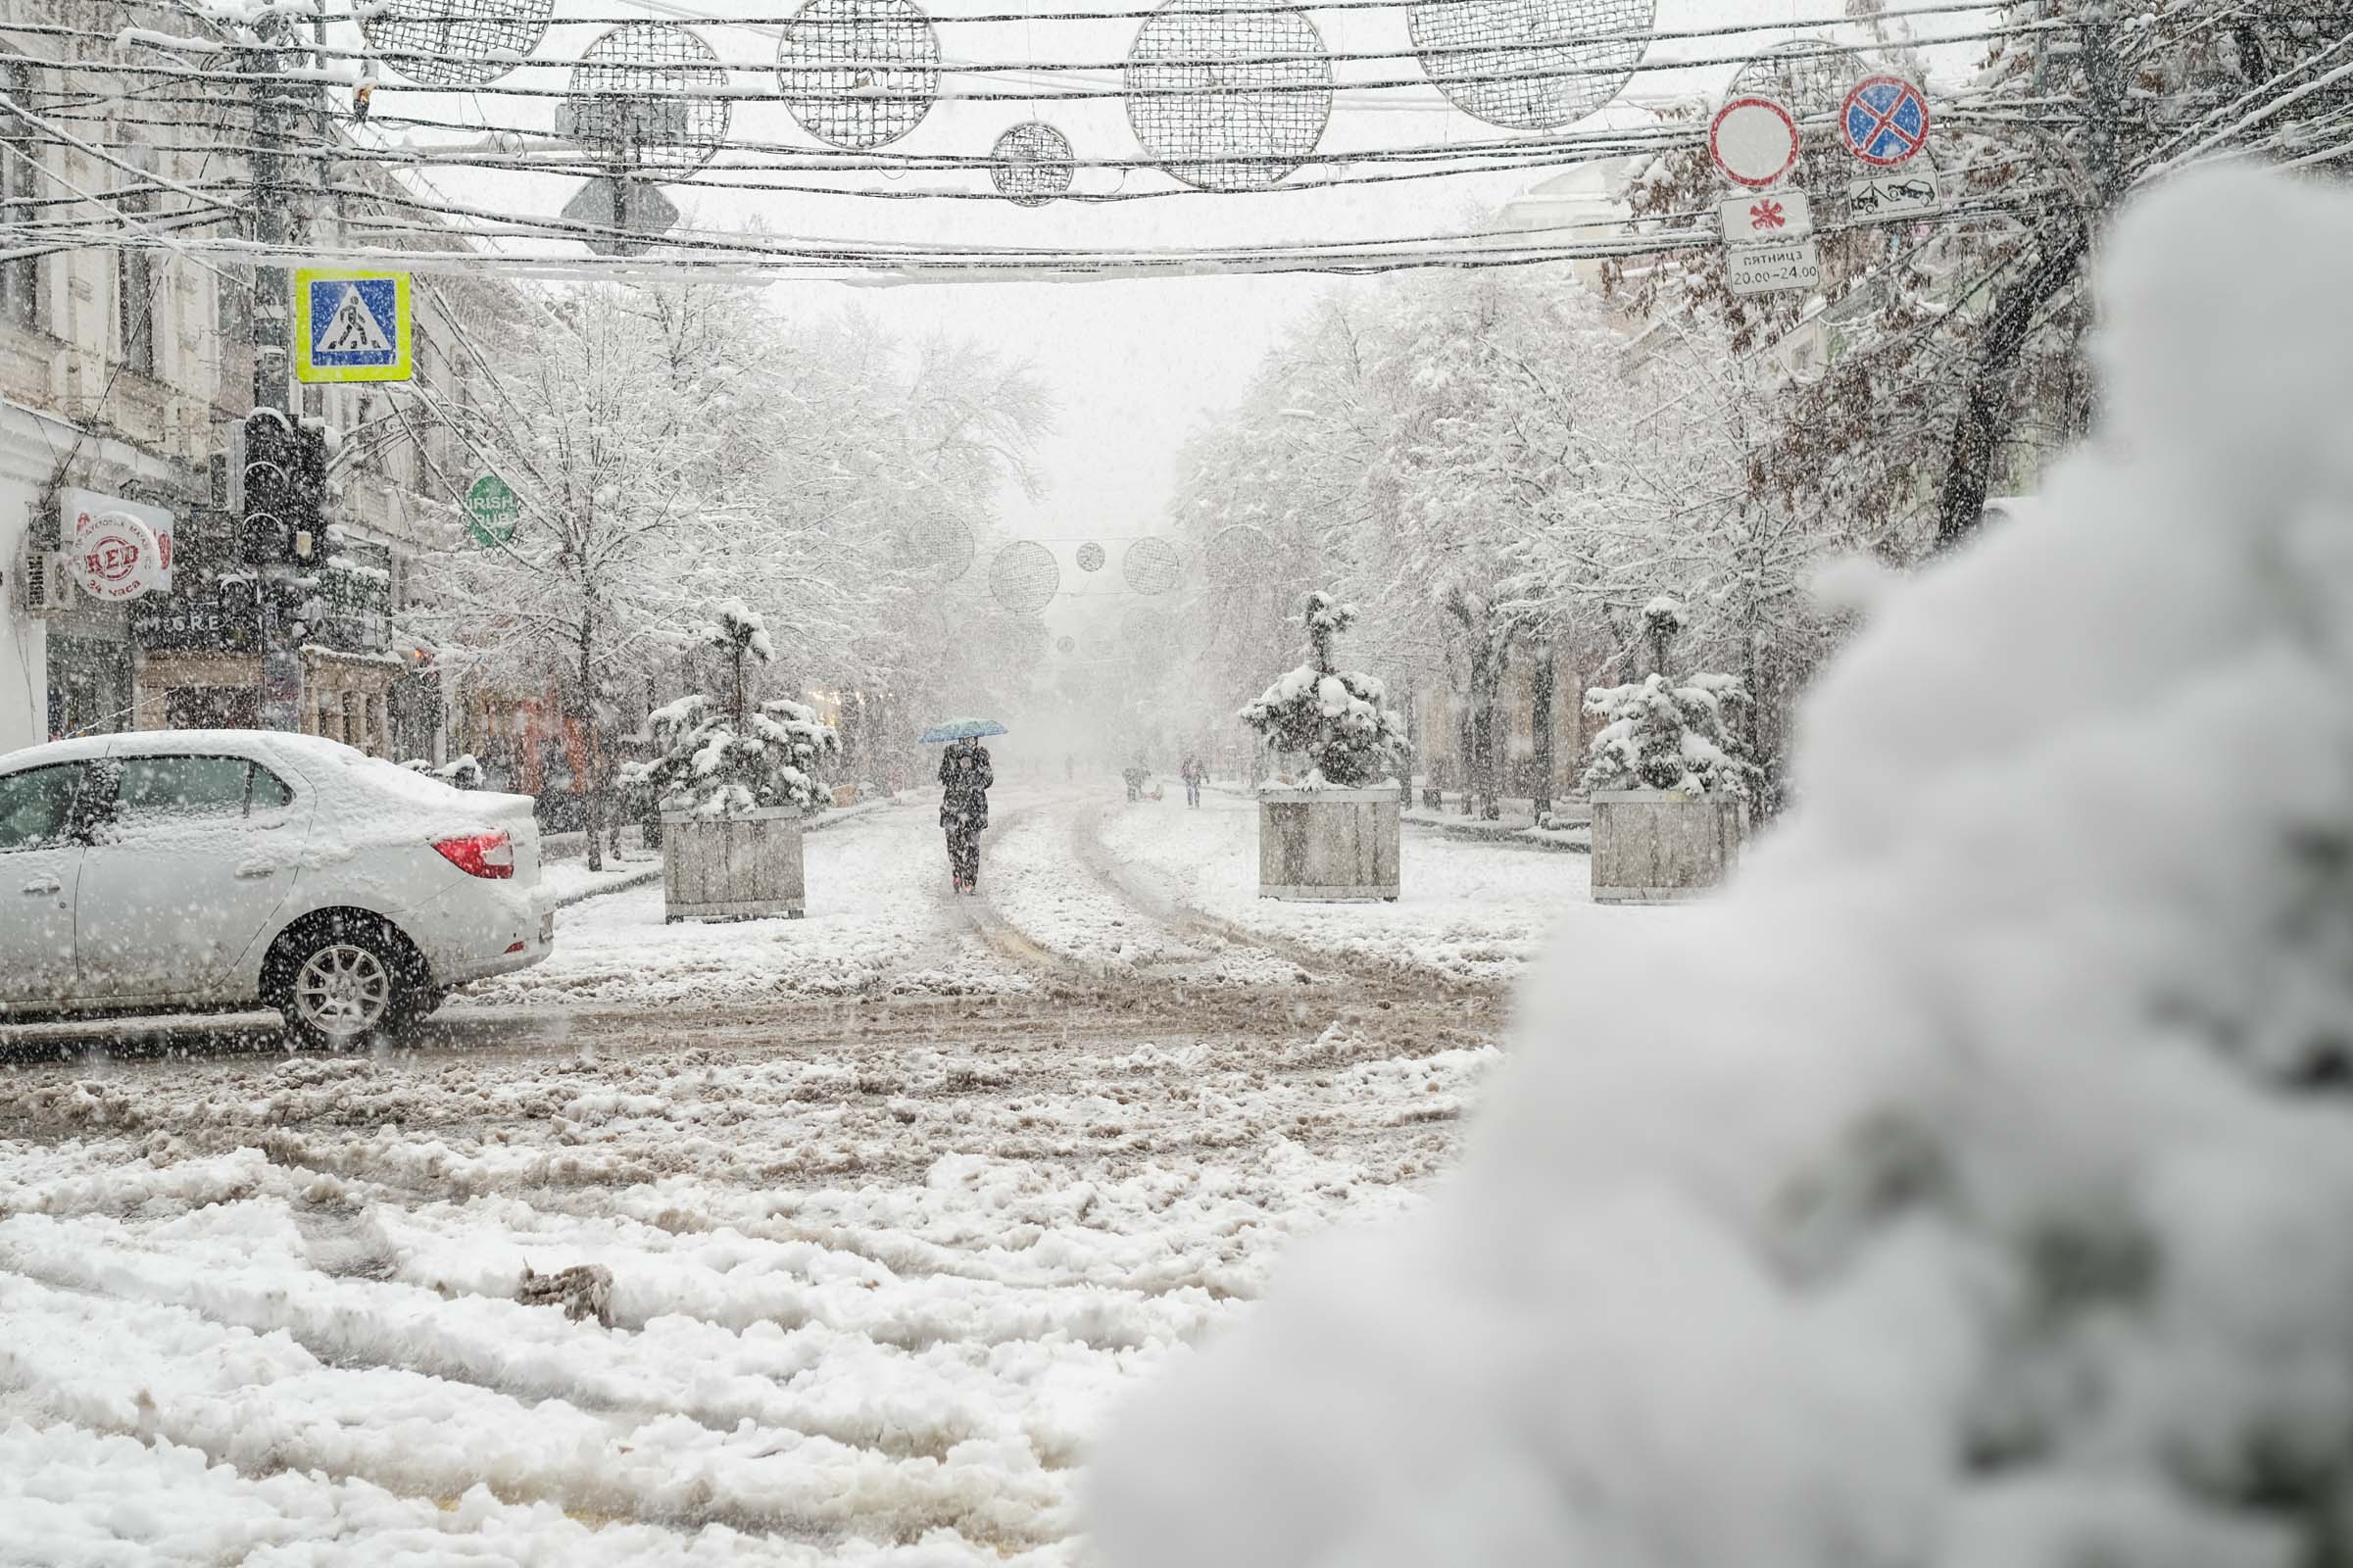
{"points": [[490, 855]]}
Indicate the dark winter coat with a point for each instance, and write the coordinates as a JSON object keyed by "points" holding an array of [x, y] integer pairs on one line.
{"points": [[964, 780]]}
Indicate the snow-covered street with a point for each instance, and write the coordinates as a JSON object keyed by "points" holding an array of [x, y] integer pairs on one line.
{"points": [[889, 1203]]}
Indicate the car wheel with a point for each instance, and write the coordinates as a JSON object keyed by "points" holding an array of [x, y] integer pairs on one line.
{"points": [[341, 985]]}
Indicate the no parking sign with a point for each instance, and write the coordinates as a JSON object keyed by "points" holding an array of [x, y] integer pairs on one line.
{"points": [[1885, 120]]}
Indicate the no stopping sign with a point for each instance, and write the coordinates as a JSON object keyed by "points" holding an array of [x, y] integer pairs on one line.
{"points": [[1753, 141]]}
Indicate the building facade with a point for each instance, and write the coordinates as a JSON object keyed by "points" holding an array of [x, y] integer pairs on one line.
{"points": [[126, 374]]}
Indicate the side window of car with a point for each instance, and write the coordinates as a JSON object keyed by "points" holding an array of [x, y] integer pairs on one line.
{"points": [[179, 789], [37, 806], [270, 793]]}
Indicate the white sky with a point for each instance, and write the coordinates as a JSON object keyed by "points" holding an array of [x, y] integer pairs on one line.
{"points": [[1135, 364]]}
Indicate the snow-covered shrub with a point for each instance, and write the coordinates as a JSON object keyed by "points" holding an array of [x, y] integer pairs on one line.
{"points": [[1334, 715], [718, 757], [1973, 1192], [1657, 735]]}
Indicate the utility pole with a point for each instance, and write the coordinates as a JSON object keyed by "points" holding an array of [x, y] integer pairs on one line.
{"points": [[281, 481], [270, 325]]}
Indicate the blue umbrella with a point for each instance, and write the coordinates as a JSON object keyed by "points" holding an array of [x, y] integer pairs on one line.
{"points": [[961, 729]]}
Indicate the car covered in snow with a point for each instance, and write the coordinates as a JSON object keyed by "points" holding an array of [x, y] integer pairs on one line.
{"points": [[190, 870]]}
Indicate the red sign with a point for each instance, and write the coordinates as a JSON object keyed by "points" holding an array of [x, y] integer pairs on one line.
{"points": [[115, 555], [1753, 141]]}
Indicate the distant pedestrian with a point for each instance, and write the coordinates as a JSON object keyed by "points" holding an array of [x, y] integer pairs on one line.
{"points": [[1135, 776], [1069, 767], [1193, 776], [964, 780]]}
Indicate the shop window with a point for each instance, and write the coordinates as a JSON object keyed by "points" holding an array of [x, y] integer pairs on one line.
{"points": [[89, 685], [212, 708]]}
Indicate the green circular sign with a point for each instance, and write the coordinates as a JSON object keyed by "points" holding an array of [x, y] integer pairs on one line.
{"points": [[492, 510]]}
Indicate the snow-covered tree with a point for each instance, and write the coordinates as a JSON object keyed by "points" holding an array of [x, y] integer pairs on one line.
{"points": [[720, 755], [1336, 717], [675, 444], [1668, 733], [1659, 734]]}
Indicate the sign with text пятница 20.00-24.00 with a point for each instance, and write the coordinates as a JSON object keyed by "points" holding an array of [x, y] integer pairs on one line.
{"points": [[351, 325], [1773, 266]]}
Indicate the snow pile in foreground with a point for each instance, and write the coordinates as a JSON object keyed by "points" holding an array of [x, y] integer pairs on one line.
{"points": [[1976, 1199]]}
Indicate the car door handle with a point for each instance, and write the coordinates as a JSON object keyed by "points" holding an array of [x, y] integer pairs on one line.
{"points": [[254, 873], [44, 886]]}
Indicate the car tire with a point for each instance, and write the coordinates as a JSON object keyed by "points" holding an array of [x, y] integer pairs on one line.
{"points": [[339, 981]]}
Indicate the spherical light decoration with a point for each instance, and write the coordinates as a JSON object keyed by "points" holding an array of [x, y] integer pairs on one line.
{"points": [[1529, 65], [1235, 552], [647, 96], [1025, 578], [1811, 75], [940, 544], [1090, 557], [1032, 164], [455, 43], [1228, 94], [1151, 565], [858, 74]]}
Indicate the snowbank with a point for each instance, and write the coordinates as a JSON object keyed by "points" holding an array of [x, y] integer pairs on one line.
{"points": [[1968, 1205]]}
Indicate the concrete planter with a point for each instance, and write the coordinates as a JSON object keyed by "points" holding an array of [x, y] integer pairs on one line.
{"points": [[1657, 847], [1328, 846], [739, 867]]}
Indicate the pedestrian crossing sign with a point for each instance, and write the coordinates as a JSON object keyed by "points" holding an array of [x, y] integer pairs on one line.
{"points": [[351, 325]]}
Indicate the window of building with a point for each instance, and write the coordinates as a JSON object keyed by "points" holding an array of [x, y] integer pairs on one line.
{"points": [[20, 300], [134, 265]]}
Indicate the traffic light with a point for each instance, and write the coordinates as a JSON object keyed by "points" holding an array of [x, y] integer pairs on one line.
{"points": [[286, 487]]}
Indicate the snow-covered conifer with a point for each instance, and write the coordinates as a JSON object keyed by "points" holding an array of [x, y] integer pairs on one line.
{"points": [[1335, 717]]}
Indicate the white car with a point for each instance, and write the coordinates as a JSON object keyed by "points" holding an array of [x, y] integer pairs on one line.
{"points": [[185, 870]]}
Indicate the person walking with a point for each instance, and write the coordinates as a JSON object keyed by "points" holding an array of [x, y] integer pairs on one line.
{"points": [[1193, 776], [964, 780]]}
